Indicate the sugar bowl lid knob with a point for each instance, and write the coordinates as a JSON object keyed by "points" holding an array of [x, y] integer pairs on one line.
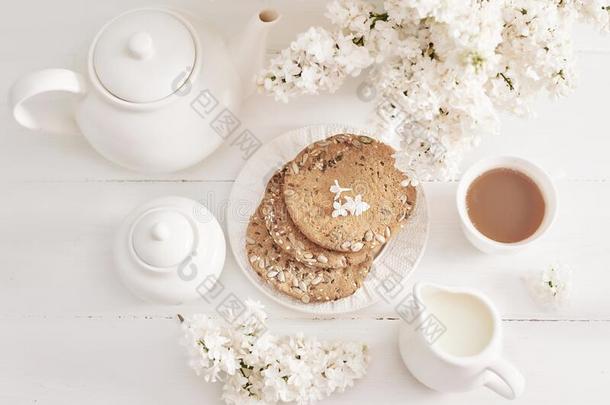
{"points": [[141, 45], [163, 238]]}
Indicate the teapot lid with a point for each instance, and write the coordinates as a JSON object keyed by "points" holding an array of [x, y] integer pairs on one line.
{"points": [[141, 56], [163, 238]]}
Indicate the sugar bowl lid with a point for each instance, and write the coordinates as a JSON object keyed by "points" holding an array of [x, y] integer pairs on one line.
{"points": [[168, 248], [162, 238], [141, 55]]}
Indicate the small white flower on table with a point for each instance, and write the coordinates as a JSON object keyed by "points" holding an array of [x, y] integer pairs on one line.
{"points": [[550, 287]]}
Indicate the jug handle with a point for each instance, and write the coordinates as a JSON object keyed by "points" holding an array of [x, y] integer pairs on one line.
{"points": [[44, 81], [506, 380]]}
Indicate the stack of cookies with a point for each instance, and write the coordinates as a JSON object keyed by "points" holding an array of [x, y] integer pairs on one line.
{"points": [[325, 215]]}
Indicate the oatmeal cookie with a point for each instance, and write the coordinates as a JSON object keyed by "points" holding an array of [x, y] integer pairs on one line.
{"points": [[366, 167], [293, 278], [290, 239]]}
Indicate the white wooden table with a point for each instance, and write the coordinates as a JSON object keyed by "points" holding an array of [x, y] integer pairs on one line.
{"points": [[71, 334]]}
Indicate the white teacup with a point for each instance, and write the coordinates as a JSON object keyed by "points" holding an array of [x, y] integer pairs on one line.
{"points": [[539, 176], [451, 341]]}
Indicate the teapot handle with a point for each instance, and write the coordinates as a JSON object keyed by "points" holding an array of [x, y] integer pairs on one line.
{"points": [[44, 81], [506, 380]]}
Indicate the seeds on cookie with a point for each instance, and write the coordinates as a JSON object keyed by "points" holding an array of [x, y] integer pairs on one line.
{"points": [[295, 168], [357, 246]]}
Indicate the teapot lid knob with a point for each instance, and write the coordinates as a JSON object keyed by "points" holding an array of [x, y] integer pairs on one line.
{"points": [[140, 45], [160, 232]]}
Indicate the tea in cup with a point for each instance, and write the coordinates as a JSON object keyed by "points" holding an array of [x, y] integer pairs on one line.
{"points": [[505, 203]]}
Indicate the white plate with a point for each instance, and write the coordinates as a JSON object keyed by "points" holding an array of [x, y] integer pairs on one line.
{"points": [[394, 264]]}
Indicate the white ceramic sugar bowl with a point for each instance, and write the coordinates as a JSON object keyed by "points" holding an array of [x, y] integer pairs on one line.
{"points": [[168, 248]]}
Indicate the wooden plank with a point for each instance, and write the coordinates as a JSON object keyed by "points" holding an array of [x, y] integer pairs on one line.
{"points": [[56, 238], [59, 361], [569, 137], [63, 30]]}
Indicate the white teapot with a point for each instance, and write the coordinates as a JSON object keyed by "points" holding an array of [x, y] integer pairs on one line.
{"points": [[161, 93]]}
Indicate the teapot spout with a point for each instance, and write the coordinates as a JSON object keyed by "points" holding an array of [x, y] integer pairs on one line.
{"points": [[247, 49]]}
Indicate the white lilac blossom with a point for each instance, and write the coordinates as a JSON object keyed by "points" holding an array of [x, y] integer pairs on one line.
{"points": [[351, 205], [551, 287], [336, 189], [339, 209], [257, 367], [441, 70], [356, 206]]}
